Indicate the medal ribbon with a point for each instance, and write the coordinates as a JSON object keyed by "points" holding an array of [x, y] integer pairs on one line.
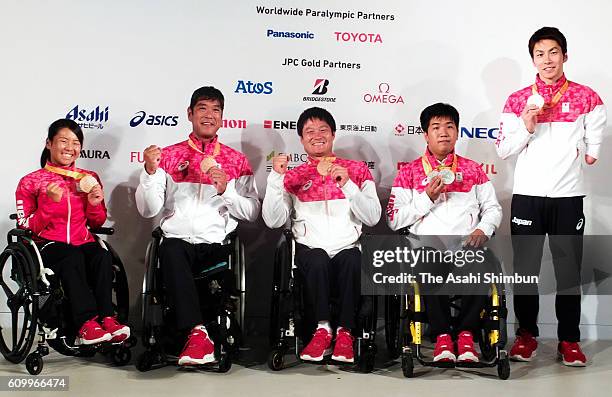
{"points": [[556, 98], [69, 173], [329, 159], [428, 168], [195, 147]]}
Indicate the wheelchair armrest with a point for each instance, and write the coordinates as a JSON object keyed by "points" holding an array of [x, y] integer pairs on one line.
{"points": [[20, 233], [157, 233], [109, 231]]}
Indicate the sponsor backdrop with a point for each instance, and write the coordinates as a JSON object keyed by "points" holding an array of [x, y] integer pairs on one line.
{"points": [[125, 71]]}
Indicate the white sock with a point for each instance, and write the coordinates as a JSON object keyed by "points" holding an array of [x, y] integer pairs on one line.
{"points": [[325, 325]]}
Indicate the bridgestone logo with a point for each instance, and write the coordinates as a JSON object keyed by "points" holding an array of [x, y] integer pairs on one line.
{"points": [[318, 99], [521, 221]]}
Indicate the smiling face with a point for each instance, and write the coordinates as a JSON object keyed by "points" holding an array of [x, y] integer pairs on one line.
{"points": [[548, 58], [205, 118], [64, 148], [317, 138], [441, 136]]}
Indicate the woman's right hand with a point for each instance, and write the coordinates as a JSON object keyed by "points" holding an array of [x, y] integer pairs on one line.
{"points": [[55, 192]]}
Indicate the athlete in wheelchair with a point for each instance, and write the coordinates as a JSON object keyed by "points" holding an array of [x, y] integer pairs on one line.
{"points": [[56, 273], [328, 199], [203, 188], [443, 194]]}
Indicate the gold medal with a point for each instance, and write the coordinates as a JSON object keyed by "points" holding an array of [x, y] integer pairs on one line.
{"points": [[323, 167], [207, 164], [87, 183]]}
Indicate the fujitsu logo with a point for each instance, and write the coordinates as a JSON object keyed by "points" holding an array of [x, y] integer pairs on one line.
{"points": [[358, 37]]}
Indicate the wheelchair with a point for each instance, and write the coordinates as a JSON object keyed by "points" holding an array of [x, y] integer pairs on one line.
{"points": [[405, 323], [35, 300], [221, 288], [291, 330]]}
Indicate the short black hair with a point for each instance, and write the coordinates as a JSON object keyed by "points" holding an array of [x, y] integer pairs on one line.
{"points": [[54, 128], [315, 113], [207, 93], [438, 110], [547, 33]]}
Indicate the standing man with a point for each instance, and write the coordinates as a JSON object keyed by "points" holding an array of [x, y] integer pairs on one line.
{"points": [[552, 125], [204, 188], [328, 199]]}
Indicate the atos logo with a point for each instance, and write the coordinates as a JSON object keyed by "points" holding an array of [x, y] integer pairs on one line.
{"points": [[154, 120], [249, 87], [93, 119], [479, 133]]}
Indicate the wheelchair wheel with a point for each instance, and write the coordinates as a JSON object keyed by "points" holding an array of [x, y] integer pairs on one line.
{"points": [[121, 355], [225, 363], [392, 326], [276, 360], [18, 283], [34, 363], [121, 293], [407, 365], [145, 361], [503, 368], [366, 360]]}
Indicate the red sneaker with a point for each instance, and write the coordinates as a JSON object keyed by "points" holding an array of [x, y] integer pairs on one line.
{"points": [[571, 355], [444, 350], [343, 350], [199, 349], [319, 346], [91, 333], [118, 331], [524, 347], [465, 348]]}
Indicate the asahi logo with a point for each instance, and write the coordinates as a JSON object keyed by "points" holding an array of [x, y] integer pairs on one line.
{"points": [[89, 118]]}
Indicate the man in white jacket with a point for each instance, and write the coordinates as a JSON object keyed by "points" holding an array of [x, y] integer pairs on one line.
{"points": [[551, 125], [328, 198], [443, 194], [203, 188]]}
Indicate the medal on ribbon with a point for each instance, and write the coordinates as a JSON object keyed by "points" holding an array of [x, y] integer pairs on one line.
{"points": [[445, 172], [85, 182]]}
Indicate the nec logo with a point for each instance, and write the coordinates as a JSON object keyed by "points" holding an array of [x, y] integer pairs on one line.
{"points": [[248, 87], [280, 124], [479, 133], [159, 120]]}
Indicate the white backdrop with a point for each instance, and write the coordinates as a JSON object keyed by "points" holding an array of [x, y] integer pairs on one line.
{"points": [[149, 56]]}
